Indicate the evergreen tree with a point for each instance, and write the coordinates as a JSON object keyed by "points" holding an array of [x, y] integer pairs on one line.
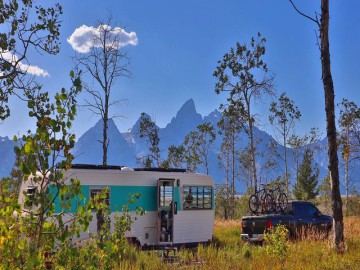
{"points": [[307, 179]]}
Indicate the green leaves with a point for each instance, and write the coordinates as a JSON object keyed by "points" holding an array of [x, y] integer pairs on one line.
{"points": [[28, 147], [244, 77], [38, 155], [307, 178], [22, 32], [25, 169], [149, 131], [349, 123], [197, 144], [277, 245]]}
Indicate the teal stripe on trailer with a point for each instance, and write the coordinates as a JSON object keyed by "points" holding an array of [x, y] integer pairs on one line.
{"points": [[120, 195], [75, 202], [177, 198]]}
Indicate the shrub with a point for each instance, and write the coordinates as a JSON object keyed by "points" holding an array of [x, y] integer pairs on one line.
{"points": [[277, 245]]}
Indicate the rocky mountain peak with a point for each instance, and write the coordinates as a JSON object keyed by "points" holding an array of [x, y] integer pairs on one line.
{"points": [[186, 117]]}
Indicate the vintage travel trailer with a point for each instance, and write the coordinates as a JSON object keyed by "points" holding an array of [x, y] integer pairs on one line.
{"points": [[178, 205]]}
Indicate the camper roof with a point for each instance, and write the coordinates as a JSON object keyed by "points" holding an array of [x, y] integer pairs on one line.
{"points": [[115, 167]]}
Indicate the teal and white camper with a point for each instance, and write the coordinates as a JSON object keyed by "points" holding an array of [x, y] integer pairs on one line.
{"points": [[178, 205]]}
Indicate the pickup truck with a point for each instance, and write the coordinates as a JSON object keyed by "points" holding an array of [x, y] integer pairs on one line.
{"points": [[297, 217]]}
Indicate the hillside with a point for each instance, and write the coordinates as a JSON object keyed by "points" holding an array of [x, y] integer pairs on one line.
{"points": [[125, 148]]}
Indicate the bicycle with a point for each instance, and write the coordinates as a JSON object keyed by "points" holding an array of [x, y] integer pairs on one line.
{"points": [[280, 199], [261, 198]]}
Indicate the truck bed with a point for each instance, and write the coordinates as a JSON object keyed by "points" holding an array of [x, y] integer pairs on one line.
{"points": [[298, 215]]}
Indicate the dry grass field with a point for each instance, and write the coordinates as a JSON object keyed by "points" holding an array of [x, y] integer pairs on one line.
{"points": [[229, 252]]}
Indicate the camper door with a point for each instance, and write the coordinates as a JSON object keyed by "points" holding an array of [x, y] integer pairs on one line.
{"points": [[165, 210]]}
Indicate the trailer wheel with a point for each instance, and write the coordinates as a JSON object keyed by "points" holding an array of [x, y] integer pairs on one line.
{"points": [[136, 243]]}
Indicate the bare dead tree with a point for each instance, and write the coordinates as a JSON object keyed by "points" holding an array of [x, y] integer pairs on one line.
{"points": [[105, 62], [323, 26]]}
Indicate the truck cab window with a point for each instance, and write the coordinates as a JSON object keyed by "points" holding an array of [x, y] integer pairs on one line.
{"points": [[306, 210]]}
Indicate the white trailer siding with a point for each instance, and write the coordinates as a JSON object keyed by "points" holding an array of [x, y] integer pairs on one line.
{"points": [[193, 225], [189, 225]]}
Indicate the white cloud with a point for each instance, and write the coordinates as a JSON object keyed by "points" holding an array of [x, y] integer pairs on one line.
{"points": [[33, 70], [82, 39]]}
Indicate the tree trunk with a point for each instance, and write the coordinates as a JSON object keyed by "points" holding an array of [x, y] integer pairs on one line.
{"points": [[253, 162], [105, 142], [227, 203], [225, 209], [105, 129], [331, 128], [285, 164], [233, 174], [346, 160], [252, 148]]}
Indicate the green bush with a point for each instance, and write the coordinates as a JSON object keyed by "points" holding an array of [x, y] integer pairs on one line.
{"points": [[277, 245]]}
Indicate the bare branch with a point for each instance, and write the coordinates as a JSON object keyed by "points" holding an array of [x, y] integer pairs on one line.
{"points": [[303, 14], [105, 63]]}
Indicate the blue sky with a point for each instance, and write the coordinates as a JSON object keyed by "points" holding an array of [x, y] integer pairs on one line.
{"points": [[180, 42]]}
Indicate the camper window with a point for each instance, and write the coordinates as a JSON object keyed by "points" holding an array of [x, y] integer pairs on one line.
{"points": [[197, 197], [30, 193], [95, 194], [166, 195]]}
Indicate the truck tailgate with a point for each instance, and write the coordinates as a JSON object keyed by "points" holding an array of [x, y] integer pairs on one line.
{"points": [[254, 225]]}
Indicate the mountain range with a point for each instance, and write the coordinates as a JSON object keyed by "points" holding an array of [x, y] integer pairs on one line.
{"points": [[125, 148]]}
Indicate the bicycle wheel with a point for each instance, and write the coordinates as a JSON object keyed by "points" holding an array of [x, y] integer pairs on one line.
{"points": [[267, 204], [254, 203], [282, 202]]}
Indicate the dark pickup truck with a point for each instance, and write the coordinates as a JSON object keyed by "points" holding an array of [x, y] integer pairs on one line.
{"points": [[298, 216]]}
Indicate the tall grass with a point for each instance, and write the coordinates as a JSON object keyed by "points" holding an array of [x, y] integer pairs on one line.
{"points": [[352, 227], [229, 252]]}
